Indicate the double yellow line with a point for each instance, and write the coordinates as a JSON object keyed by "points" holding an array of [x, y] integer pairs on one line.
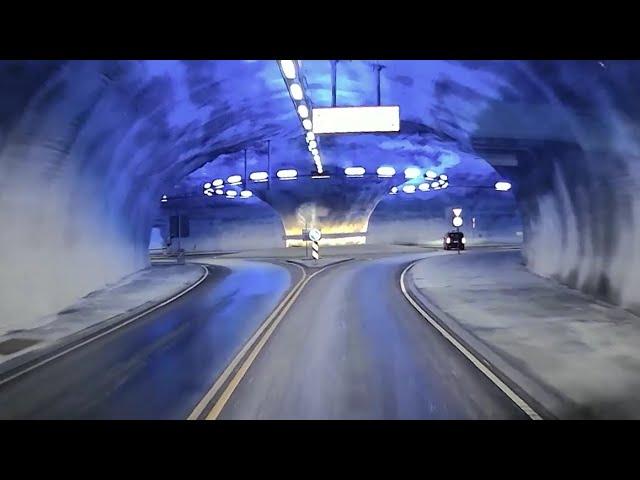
{"points": [[210, 406]]}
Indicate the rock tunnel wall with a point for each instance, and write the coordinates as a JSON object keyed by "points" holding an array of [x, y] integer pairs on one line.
{"points": [[88, 147]]}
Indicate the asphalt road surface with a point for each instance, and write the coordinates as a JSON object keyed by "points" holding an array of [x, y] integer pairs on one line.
{"points": [[350, 347], [159, 366]]}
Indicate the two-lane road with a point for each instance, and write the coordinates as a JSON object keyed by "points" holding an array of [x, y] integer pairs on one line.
{"points": [[349, 347], [352, 347]]}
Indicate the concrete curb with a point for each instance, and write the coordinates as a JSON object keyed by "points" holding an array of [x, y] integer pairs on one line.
{"points": [[21, 364], [550, 403]]}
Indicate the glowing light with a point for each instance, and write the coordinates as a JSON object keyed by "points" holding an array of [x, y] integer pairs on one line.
{"points": [[164, 199], [409, 189], [246, 193], [219, 192], [259, 176], [443, 177], [464, 240], [356, 119], [394, 190], [312, 144], [231, 193], [430, 174], [303, 111], [287, 174], [424, 187], [234, 179], [288, 68], [208, 193], [503, 186], [319, 168], [411, 172], [307, 124], [441, 182], [296, 91], [217, 182], [457, 221], [320, 175], [457, 212], [314, 151], [448, 240], [435, 185], [310, 136], [207, 185], [386, 171], [445, 184], [316, 158], [354, 171]]}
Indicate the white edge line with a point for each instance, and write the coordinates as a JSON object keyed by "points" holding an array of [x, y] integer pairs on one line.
{"points": [[515, 398], [116, 327]]}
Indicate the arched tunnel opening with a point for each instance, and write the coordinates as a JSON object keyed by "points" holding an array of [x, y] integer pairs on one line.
{"points": [[126, 186]]}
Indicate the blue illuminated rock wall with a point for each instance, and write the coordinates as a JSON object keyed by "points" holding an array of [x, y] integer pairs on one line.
{"points": [[88, 147]]}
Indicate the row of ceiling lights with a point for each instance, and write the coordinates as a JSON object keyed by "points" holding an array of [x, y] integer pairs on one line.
{"points": [[289, 69]]}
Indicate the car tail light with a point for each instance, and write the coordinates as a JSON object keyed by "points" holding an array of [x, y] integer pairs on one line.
{"points": [[448, 240], [464, 240]]}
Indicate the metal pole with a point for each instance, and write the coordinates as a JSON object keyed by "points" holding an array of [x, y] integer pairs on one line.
{"points": [[245, 170], [379, 69], [268, 164], [334, 78]]}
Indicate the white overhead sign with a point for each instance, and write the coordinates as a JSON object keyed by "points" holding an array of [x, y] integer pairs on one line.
{"points": [[356, 119]]}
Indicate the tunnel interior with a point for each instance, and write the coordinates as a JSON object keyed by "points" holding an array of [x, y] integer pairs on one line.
{"points": [[88, 148]]}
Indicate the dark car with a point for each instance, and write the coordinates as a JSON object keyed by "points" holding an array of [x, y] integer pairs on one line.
{"points": [[454, 241]]}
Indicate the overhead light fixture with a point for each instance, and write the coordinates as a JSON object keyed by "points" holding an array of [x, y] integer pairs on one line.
{"points": [[259, 176], [303, 111], [445, 184], [503, 186], [443, 177], [316, 158], [409, 189], [441, 182], [288, 68], [435, 185], [430, 174], [306, 123], [411, 172], [234, 179], [231, 193], [312, 144], [296, 91], [219, 192], [217, 182], [320, 175], [356, 119], [207, 185], [287, 174], [208, 193], [424, 187], [386, 171], [354, 171], [310, 136], [314, 151], [246, 193], [393, 190]]}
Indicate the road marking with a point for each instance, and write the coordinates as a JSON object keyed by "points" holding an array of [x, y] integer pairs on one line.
{"points": [[515, 398], [255, 344], [112, 329]]}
